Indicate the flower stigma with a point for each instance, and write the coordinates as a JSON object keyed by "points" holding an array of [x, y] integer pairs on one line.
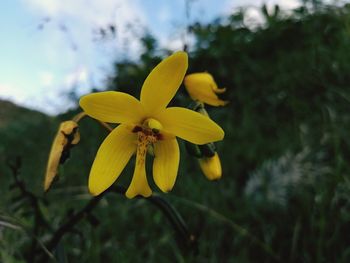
{"points": [[147, 134], [150, 128]]}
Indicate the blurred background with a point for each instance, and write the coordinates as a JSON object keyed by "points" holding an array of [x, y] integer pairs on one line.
{"points": [[285, 191]]}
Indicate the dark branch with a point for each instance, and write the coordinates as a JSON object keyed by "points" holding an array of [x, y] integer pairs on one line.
{"points": [[39, 219], [186, 238], [171, 214], [72, 221]]}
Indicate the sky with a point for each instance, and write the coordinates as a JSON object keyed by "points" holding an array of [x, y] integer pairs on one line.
{"points": [[49, 47]]}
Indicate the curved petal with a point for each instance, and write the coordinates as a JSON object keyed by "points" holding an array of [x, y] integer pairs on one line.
{"points": [[112, 156], [166, 163], [190, 125], [139, 184], [202, 87], [112, 106], [206, 95], [164, 80]]}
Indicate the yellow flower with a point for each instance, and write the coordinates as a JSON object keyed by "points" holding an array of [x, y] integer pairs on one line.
{"points": [[211, 167], [202, 87], [144, 123], [66, 137], [208, 158]]}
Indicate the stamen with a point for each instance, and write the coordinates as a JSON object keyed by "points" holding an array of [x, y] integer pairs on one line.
{"points": [[144, 140], [150, 130], [153, 124]]}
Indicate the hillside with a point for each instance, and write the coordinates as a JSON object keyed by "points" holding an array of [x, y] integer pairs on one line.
{"points": [[24, 133]]}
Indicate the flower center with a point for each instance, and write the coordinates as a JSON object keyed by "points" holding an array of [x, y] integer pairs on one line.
{"points": [[150, 128], [147, 134], [153, 125]]}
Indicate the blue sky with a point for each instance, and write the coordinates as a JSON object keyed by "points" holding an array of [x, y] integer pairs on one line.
{"points": [[50, 46]]}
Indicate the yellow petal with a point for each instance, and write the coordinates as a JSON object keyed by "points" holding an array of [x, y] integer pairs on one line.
{"points": [[112, 156], [139, 184], [217, 90], [164, 80], [202, 87], [112, 106], [211, 167], [66, 136], [190, 125], [166, 163]]}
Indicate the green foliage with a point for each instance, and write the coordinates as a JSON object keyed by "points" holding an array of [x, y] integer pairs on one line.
{"points": [[285, 191], [24, 133]]}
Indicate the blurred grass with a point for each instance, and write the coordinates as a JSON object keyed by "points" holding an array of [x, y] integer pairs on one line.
{"points": [[285, 156]]}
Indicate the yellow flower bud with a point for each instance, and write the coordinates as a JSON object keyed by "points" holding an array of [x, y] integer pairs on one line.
{"points": [[66, 137], [211, 167], [202, 87]]}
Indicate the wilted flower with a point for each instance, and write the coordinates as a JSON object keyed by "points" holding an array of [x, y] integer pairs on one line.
{"points": [[202, 87], [66, 137], [146, 123]]}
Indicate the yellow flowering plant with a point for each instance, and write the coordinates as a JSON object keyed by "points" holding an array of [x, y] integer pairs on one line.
{"points": [[144, 123], [203, 89]]}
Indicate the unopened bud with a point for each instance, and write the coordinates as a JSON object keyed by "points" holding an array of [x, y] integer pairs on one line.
{"points": [[211, 167]]}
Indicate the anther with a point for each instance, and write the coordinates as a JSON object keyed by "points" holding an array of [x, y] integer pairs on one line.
{"points": [[153, 124]]}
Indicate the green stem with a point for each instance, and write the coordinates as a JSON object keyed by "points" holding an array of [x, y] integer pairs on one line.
{"points": [[237, 228], [170, 212]]}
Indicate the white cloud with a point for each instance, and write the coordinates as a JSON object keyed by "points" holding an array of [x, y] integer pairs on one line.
{"points": [[68, 45], [174, 44], [71, 26], [90, 11], [46, 78], [232, 5], [50, 7], [252, 8], [288, 4], [11, 92], [76, 77]]}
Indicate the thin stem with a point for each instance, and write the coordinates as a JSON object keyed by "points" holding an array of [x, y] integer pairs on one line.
{"points": [[173, 216], [82, 114], [105, 125], [16, 224], [39, 219], [79, 116], [72, 221], [169, 211], [295, 239], [237, 228]]}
